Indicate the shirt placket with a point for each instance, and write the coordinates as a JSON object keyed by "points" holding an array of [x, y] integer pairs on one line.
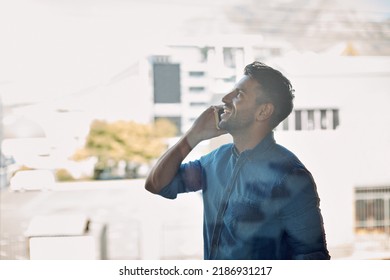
{"points": [[222, 208]]}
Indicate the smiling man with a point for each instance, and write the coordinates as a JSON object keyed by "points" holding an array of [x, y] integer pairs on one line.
{"points": [[260, 202]]}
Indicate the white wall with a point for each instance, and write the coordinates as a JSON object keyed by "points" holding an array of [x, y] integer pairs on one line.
{"points": [[358, 152]]}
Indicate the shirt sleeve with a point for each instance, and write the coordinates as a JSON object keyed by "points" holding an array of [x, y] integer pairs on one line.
{"points": [[301, 216], [187, 179]]}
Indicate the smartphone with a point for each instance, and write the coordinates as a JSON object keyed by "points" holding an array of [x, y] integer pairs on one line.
{"points": [[218, 114]]}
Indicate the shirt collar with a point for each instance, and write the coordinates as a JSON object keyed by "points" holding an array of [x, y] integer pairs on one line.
{"points": [[261, 147], [235, 152]]}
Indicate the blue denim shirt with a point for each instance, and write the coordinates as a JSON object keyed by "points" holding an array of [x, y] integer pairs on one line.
{"points": [[260, 204]]}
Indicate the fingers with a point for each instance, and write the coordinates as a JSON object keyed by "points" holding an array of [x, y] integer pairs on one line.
{"points": [[206, 126], [217, 115]]}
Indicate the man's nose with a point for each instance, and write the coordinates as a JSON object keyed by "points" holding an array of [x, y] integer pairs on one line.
{"points": [[228, 97]]}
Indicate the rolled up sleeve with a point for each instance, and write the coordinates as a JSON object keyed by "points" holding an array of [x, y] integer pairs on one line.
{"points": [[187, 179]]}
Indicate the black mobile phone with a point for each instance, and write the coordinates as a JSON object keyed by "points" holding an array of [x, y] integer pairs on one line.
{"points": [[218, 114]]}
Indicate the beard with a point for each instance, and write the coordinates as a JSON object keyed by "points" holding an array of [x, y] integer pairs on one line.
{"points": [[231, 121]]}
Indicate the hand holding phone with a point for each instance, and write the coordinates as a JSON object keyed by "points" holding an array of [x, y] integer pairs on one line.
{"points": [[217, 113]]}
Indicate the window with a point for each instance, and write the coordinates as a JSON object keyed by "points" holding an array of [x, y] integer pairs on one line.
{"points": [[311, 119], [285, 124], [323, 119], [229, 57], [298, 118], [335, 118], [196, 74], [372, 210], [231, 79], [166, 83], [201, 104], [196, 89]]}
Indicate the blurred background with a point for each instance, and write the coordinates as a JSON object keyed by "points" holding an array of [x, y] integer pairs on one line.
{"points": [[93, 91]]}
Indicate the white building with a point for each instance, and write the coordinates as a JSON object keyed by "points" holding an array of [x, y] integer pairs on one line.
{"points": [[206, 68], [339, 127]]}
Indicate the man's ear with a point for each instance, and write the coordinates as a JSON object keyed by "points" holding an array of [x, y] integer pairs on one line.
{"points": [[265, 111]]}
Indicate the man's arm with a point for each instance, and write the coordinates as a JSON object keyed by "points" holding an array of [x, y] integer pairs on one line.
{"points": [[167, 166], [302, 217]]}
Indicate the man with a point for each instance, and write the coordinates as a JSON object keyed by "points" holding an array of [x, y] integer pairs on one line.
{"points": [[260, 202]]}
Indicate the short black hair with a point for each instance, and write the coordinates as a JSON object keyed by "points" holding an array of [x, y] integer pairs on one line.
{"points": [[276, 87]]}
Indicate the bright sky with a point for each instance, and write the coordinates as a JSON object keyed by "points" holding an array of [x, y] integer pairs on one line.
{"points": [[53, 48]]}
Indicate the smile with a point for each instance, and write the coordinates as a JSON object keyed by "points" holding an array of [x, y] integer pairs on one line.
{"points": [[226, 110]]}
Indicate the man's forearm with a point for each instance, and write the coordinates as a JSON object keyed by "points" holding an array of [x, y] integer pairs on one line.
{"points": [[167, 166]]}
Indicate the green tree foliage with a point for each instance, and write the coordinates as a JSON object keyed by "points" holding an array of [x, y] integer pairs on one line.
{"points": [[125, 141]]}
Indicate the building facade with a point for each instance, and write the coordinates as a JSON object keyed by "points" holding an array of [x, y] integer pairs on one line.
{"points": [[339, 128], [205, 70]]}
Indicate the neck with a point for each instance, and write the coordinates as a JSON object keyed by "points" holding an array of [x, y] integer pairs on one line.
{"points": [[247, 141]]}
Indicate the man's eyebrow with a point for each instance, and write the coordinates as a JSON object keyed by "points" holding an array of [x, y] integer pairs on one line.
{"points": [[241, 89]]}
